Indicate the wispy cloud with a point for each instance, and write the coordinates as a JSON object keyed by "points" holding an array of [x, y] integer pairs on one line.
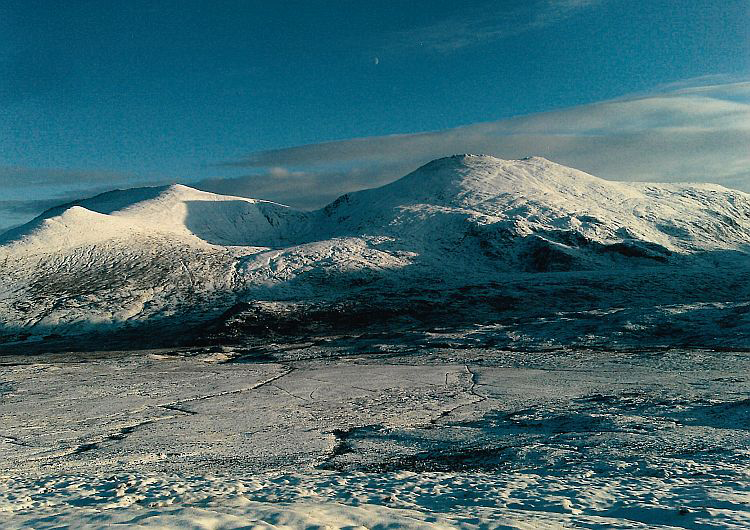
{"points": [[692, 133], [305, 189], [488, 22], [27, 176], [697, 130], [553, 11]]}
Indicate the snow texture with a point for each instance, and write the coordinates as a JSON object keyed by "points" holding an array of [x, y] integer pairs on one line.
{"points": [[469, 438]]}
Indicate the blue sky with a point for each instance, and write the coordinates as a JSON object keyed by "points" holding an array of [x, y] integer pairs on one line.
{"points": [[96, 95]]}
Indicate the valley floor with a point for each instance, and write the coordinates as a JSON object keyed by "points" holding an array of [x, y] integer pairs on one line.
{"points": [[316, 435]]}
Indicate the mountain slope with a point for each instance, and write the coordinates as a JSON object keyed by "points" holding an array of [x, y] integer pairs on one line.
{"points": [[177, 210], [460, 233], [536, 196]]}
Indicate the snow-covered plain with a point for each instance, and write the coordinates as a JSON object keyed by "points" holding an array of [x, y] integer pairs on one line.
{"points": [[469, 438], [481, 344]]}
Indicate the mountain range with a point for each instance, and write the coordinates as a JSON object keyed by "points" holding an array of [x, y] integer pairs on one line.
{"points": [[541, 254]]}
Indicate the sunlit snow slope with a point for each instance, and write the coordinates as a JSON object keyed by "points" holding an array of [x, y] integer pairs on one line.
{"points": [[462, 228]]}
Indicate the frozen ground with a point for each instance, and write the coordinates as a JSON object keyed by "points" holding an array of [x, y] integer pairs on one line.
{"points": [[320, 434]]}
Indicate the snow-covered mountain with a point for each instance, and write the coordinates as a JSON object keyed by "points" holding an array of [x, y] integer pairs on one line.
{"points": [[519, 237]]}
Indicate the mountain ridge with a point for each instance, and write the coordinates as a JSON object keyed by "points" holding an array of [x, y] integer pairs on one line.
{"points": [[426, 185], [173, 254]]}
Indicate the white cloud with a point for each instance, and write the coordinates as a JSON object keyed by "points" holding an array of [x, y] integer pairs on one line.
{"points": [[692, 133], [685, 132], [488, 23], [282, 172]]}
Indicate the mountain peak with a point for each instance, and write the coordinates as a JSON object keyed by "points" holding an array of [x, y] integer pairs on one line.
{"points": [[474, 158], [468, 179]]}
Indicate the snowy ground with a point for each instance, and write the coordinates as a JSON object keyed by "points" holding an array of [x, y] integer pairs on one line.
{"points": [[316, 435]]}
